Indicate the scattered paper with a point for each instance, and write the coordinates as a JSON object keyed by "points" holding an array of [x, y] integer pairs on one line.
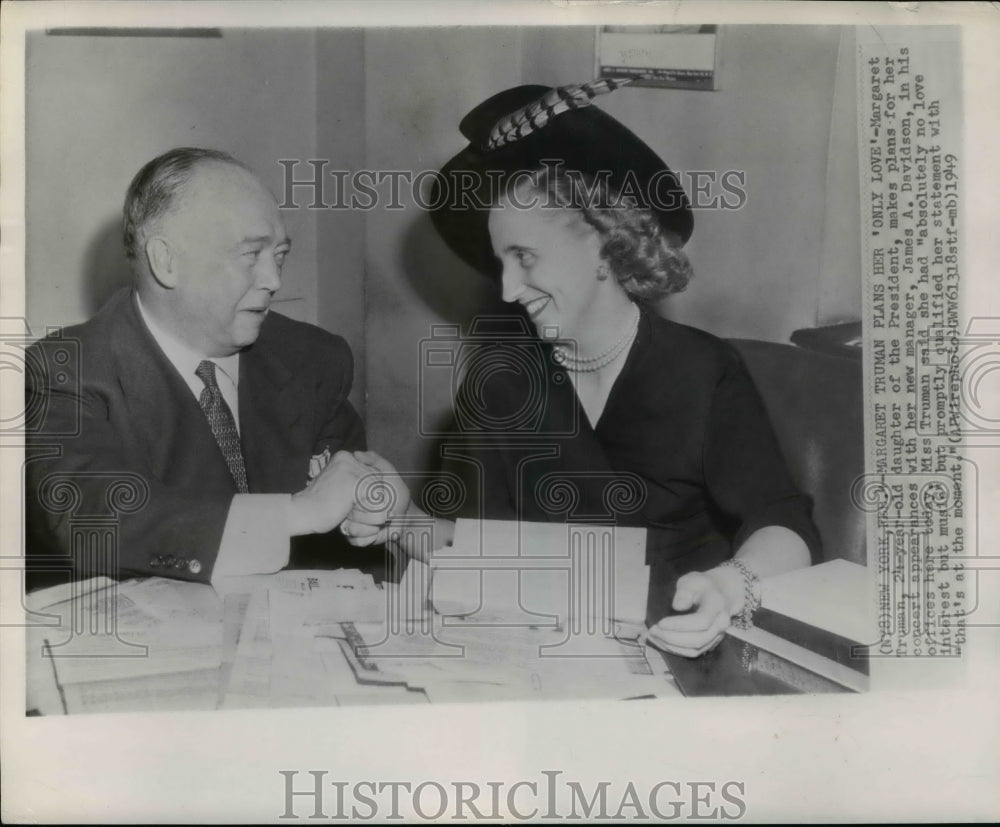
{"points": [[545, 573], [323, 638]]}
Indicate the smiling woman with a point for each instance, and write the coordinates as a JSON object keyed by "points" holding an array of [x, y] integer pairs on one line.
{"points": [[588, 231], [543, 253], [552, 226]]}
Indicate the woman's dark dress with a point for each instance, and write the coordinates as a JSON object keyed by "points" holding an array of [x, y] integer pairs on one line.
{"points": [[683, 448]]}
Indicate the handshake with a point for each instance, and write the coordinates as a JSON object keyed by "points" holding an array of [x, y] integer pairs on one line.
{"points": [[361, 492]]}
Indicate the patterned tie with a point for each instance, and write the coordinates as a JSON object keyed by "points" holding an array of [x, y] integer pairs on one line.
{"points": [[220, 419]]}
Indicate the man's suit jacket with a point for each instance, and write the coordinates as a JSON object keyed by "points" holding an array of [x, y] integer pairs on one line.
{"points": [[116, 435]]}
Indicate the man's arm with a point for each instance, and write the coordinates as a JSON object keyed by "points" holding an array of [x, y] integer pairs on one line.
{"points": [[87, 462], [259, 526], [90, 494]]}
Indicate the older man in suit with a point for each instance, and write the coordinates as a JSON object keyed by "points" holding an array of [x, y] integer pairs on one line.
{"points": [[210, 412]]}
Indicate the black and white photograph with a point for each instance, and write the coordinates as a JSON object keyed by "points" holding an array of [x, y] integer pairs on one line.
{"points": [[414, 412]]}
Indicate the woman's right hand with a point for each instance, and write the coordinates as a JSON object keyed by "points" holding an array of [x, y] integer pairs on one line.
{"points": [[381, 496]]}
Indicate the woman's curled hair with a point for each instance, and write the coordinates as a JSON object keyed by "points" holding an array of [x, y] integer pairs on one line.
{"points": [[646, 259]]}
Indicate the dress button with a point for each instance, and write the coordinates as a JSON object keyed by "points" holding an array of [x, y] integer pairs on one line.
{"points": [[194, 566]]}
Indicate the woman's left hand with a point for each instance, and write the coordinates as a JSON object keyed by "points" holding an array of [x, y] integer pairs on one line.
{"points": [[708, 600]]}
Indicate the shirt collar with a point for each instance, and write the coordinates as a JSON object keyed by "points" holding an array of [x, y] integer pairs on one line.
{"points": [[183, 357]]}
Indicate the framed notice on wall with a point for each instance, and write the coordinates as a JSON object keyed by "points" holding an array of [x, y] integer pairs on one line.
{"points": [[672, 57]]}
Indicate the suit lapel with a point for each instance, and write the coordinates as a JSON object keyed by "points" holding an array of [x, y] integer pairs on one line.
{"points": [[164, 413], [271, 423]]}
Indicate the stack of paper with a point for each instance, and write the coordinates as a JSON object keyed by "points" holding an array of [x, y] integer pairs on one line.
{"points": [[149, 645], [321, 638], [509, 621], [276, 661], [524, 611], [542, 572], [450, 661]]}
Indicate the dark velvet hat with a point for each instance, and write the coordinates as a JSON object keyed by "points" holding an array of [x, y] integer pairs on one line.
{"points": [[519, 129]]}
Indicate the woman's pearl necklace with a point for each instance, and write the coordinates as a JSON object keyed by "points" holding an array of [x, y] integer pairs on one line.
{"points": [[589, 364]]}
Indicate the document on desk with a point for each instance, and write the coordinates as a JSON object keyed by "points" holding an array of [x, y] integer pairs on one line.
{"points": [[331, 596], [291, 653], [250, 676], [299, 675], [175, 600], [276, 661], [136, 629], [457, 662], [136, 645], [542, 572], [41, 599], [169, 692]]}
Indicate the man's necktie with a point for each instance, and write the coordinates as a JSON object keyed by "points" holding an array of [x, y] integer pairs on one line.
{"points": [[220, 418]]}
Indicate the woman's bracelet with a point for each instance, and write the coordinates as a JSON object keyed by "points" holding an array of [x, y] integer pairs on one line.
{"points": [[751, 593]]}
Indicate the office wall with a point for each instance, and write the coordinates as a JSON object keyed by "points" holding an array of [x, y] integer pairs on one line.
{"points": [[340, 269], [418, 85]]}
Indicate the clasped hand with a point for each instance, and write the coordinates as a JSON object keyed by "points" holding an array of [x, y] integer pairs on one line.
{"points": [[360, 492], [380, 497]]}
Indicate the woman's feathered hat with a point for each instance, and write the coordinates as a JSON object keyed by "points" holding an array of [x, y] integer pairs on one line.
{"points": [[526, 127]]}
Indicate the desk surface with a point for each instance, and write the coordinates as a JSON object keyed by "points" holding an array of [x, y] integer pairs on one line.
{"points": [[259, 649], [319, 638]]}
